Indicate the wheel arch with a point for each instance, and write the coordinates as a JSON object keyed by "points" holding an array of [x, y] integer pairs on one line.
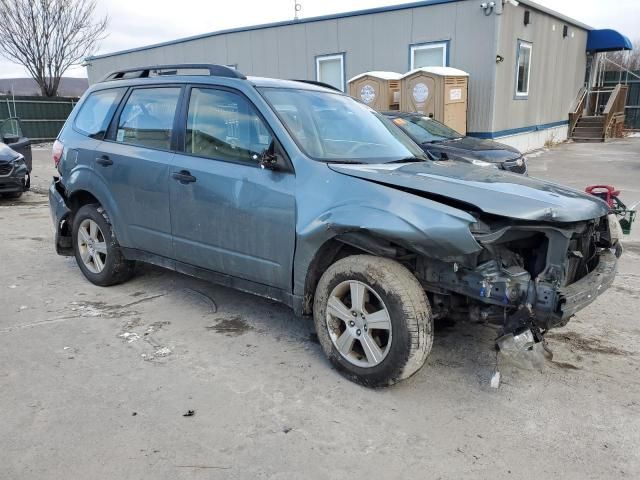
{"points": [[86, 188], [338, 247]]}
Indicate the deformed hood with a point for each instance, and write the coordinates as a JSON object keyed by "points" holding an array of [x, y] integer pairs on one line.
{"points": [[7, 153], [492, 191]]}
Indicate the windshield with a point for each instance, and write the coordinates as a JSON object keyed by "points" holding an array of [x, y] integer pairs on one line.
{"points": [[335, 128], [425, 129]]}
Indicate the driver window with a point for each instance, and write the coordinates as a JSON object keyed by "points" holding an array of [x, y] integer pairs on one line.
{"points": [[224, 126]]}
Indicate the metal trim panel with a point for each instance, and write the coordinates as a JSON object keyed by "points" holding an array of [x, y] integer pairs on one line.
{"points": [[335, 16], [514, 131]]}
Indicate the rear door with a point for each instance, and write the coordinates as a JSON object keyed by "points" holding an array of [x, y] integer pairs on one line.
{"points": [[228, 214], [134, 161]]}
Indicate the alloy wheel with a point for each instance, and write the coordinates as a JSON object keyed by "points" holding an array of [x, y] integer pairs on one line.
{"points": [[359, 323], [92, 246]]}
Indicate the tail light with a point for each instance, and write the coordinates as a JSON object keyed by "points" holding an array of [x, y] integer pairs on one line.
{"points": [[57, 150]]}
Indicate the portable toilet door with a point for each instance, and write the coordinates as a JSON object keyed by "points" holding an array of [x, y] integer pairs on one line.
{"points": [[379, 90], [437, 92]]}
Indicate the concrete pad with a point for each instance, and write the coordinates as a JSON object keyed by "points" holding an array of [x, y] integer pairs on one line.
{"points": [[94, 382]]}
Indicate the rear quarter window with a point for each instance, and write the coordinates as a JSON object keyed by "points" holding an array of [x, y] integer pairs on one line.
{"points": [[96, 112]]}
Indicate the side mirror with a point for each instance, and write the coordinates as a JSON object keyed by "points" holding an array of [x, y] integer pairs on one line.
{"points": [[9, 139], [269, 161]]}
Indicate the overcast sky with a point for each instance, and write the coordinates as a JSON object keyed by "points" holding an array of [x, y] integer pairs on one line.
{"points": [[141, 22]]}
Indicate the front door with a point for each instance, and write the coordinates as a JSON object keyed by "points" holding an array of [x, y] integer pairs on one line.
{"points": [[11, 134], [134, 161], [227, 214]]}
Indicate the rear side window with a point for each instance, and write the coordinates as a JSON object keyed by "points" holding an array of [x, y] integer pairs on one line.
{"points": [[147, 117], [224, 126], [96, 112]]}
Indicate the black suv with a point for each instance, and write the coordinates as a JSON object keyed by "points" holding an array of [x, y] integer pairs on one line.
{"points": [[15, 159], [444, 143]]}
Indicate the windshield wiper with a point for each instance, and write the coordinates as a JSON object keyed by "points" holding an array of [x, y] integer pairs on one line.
{"points": [[408, 160], [352, 162]]}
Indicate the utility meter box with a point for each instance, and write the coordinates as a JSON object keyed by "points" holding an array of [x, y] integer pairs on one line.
{"points": [[437, 92], [379, 90]]}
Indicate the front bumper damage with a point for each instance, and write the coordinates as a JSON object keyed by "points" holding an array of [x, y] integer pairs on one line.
{"points": [[16, 180], [528, 278]]}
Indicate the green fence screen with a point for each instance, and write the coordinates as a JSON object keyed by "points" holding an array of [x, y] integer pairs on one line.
{"points": [[41, 117]]}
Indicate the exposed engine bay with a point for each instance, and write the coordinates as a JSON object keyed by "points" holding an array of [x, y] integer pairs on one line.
{"points": [[528, 277]]}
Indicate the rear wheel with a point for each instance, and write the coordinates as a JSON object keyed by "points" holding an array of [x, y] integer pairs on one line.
{"points": [[96, 249], [373, 320]]}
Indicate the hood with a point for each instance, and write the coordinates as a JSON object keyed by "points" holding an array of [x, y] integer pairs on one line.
{"points": [[476, 148], [7, 153], [490, 190]]}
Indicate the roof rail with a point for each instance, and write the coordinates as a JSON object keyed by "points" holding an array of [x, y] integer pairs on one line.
{"points": [[145, 72], [319, 84]]}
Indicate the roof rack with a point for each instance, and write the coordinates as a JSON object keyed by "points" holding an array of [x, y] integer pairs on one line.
{"points": [[160, 70], [319, 84]]}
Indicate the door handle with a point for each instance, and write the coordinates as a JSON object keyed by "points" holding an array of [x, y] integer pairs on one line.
{"points": [[183, 176], [104, 161]]}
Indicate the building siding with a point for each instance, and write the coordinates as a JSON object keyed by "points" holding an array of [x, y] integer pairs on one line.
{"points": [[374, 41], [557, 69]]}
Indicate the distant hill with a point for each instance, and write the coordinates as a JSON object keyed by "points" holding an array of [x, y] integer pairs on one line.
{"points": [[69, 86]]}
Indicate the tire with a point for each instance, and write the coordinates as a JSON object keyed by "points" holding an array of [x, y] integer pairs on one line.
{"points": [[390, 287], [12, 195], [100, 260]]}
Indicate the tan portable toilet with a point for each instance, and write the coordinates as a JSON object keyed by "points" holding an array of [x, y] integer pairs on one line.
{"points": [[438, 92], [379, 90]]}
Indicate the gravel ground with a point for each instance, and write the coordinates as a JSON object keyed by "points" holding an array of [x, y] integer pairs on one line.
{"points": [[95, 382]]}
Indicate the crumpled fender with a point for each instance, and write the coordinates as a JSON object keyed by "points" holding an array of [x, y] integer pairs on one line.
{"points": [[420, 225]]}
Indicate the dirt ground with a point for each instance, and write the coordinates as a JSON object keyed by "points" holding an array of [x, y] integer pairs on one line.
{"points": [[95, 382]]}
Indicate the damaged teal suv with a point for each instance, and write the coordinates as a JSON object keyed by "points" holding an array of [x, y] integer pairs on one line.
{"points": [[302, 194]]}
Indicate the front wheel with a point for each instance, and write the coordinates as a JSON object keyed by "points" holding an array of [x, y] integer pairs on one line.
{"points": [[373, 320], [12, 195], [96, 249]]}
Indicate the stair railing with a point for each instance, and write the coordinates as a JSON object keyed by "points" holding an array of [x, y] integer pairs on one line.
{"points": [[614, 111], [577, 110]]}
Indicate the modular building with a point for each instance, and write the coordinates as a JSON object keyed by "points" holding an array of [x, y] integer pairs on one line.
{"points": [[526, 63]]}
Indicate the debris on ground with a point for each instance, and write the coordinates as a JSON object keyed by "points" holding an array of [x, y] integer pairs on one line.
{"points": [[495, 379], [162, 352], [129, 336], [190, 413], [522, 350]]}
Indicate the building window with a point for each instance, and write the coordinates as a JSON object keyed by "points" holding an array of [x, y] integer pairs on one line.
{"points": [[330, 69], [523, 71], [428, 55]]}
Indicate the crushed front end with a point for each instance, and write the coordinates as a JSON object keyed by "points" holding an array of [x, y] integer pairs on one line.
{"points": [[529, 276]]}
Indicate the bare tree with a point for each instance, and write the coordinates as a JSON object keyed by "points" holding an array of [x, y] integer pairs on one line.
{"points": [[627, 59], [48, 36]]}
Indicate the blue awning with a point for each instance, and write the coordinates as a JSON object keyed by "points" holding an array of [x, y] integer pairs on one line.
{"points": [[607, 40]]}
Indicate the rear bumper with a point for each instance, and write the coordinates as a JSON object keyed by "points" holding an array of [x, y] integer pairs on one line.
{"points": [[61, 217], [578, 295]]}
